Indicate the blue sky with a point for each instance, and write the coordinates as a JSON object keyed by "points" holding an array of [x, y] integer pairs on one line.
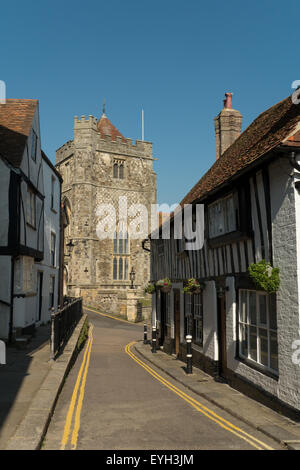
{"points": [[172, 58]]}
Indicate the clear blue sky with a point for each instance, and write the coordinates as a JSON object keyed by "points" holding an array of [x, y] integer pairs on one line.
{"points": [[175, 59]]}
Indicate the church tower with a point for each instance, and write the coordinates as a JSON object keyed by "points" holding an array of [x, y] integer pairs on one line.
{"points": [[100, 166]]}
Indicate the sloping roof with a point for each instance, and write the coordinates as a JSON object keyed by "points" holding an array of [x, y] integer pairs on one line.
{"points": [[16, 118], [265, 133], [105, 127]]}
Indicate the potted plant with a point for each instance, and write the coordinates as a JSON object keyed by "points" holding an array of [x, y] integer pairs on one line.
{"points": [[264, 276], [150, 288], [164, 285], [192, 286]]}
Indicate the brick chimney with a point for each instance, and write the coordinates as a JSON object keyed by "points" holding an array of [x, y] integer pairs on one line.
{"points": [[228, 126]]}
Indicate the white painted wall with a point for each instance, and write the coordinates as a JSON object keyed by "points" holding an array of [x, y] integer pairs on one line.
{"points": [[4, 203], [285, 213], [51, 225], [5, 281], [210, 321]]}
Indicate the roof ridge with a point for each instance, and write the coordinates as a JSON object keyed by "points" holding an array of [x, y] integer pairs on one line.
{"points": [[265, 132]]}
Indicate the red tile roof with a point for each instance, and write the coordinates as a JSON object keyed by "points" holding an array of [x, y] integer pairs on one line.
{"points": [[105, 127], [16, 118], [265, 133]]}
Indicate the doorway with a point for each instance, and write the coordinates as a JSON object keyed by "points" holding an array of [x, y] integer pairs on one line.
{"points": [[177, 320], [222, 335]]}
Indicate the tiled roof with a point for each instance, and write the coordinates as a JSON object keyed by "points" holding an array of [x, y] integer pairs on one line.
{"points": [[265, 133], [16, 118], [105, 127]]}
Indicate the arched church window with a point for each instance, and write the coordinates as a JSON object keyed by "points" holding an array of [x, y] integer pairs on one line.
{"points": [[121, 256], [118, 169]]}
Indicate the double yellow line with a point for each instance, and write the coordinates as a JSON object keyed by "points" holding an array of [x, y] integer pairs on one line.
{"points": [[199, 407], [81, 375], [108, 316]]}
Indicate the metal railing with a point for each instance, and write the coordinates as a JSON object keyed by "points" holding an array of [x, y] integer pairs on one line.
{"points": [[63, 323]]}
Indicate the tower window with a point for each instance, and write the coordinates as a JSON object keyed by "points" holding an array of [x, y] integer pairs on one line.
{"points": [[120, 256], [118, 169]]}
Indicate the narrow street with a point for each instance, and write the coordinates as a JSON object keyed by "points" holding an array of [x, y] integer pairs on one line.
{"points": [[112, 400]]}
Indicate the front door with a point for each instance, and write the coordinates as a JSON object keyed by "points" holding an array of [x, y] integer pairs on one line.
{"points": [[222, 335], [177, 319]]}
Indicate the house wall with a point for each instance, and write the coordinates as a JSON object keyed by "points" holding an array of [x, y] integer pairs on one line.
{"points": [[284, 202], [4, 202], [51, 225], [275, 220], [5, 295]]}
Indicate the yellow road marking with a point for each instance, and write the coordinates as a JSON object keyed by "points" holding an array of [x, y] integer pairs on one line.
{"points": [[199, 407], [69, 418], [80, 400], [109, 316]]}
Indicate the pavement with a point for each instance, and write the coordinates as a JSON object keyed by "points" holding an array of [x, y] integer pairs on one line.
{"points": [[30, 383], [283, 430]]}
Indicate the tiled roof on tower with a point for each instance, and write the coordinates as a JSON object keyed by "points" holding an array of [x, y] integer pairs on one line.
{"points": [[105, 127]]}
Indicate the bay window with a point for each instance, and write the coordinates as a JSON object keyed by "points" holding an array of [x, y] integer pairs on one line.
{"points": [[258, 328]]}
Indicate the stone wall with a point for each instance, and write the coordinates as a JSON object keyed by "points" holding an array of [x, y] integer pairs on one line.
{"points": [[86, 164]]}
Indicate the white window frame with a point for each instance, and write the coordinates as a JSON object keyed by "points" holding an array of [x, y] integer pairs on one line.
{"points": [[31, 208], [52, 191], [53, 249], [259, 326], [168, 308], [51, 292], [198, 318]]}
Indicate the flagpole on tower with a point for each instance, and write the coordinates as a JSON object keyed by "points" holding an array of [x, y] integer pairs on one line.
{"points": [[143, 126]]}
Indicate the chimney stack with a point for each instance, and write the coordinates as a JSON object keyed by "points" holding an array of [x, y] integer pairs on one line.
{"points": [[228, 126]]}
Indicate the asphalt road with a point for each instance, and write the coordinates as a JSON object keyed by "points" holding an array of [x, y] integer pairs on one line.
{"points": [[110, 402]]}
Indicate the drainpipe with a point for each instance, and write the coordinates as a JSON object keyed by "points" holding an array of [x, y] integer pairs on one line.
{"points": [[293, 161], [12, 281]]}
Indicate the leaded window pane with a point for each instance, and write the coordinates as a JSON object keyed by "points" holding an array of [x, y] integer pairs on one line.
{"points": [[253, 343], [121, 268], [116, 170], [115, 268], [264, 347], [252, 308]]}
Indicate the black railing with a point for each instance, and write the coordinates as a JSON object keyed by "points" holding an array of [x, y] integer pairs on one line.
{"points": [[63, 323]]}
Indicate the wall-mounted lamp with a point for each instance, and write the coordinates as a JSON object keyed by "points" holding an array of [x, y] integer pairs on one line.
{"points": [[221, 291], [70, 246]]}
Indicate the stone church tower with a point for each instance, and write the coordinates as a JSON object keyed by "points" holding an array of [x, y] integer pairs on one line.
{"points": [[98, 167]]}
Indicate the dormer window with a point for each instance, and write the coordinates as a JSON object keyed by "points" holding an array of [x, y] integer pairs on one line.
{"points": [[222, 217], [118, 169], [33, 145]]}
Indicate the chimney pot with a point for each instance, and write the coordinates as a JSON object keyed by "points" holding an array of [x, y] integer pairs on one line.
{"points": [[228, 101], [228, 126]]}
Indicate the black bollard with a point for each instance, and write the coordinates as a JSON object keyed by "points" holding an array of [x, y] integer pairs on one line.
{"points": [[189, 355], [145, 334], [153, 339]]}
